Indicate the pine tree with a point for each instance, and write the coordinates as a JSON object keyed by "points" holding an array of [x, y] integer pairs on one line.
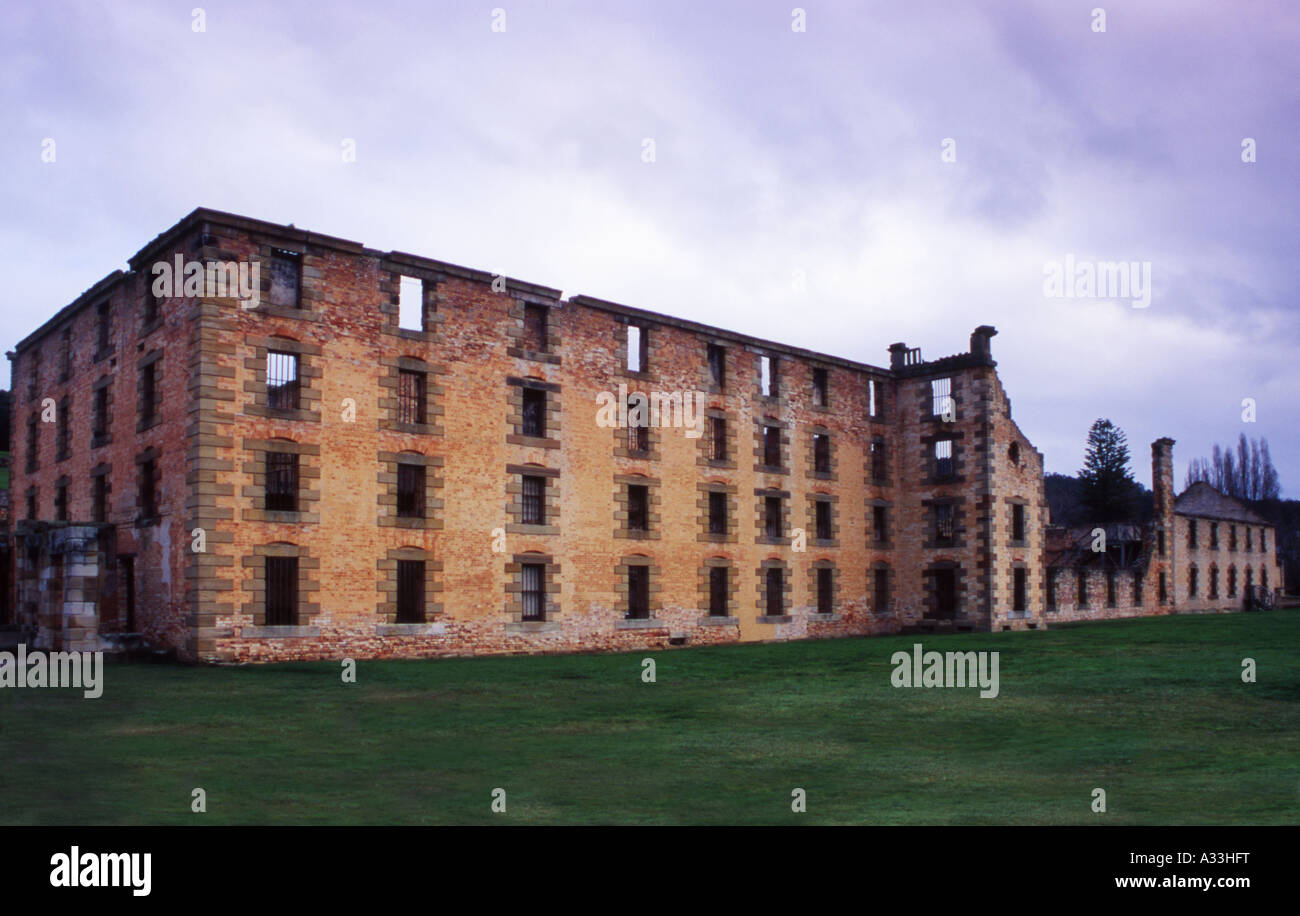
{"points": [[1109, 490]]}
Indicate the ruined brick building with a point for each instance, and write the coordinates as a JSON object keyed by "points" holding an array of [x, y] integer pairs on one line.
{"points": [[375, 454], [1202, 551]]}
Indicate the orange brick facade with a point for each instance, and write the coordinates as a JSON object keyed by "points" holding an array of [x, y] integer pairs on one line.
{"points": [[932, 505]]}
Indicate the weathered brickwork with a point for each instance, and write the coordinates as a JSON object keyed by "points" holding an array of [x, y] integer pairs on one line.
{"points": [[1201, 553], [455, 491]]}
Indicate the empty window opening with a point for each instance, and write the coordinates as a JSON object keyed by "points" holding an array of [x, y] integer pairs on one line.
{"points": [[825, 591], [149, 392], [152, 304], [717, 513], [772, 446], [99, 499], [1018, 590], [281, 591], [532, 591], [281, 380], [638, 427], [638, 592], [410, 591], [718, 591], [769, 384], [772, 516], [412, 397], [33, 443], [945, 592], [534, 502], [944, 528], [281, 482], [823, 518], [880, 523], [717, 439], [534, 412], [638, 512], [286, 279], [64, 440], [99, 414], [821, 453], [636, 348], [149, 489], [410, 490], [878, 460], [941, 397], [775, 588], [717, 357], [536, 331], [821, 387], [410, 304], [943, 465]]}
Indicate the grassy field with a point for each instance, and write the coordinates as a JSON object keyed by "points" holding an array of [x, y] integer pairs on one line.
{"points": [[1153, 711]]}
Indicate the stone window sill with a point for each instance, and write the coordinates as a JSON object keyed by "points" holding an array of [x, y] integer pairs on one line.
{"points": [[411, 629], [718, 620], [783, 618], [517, 528], [278, 632], [532, 441], [522, 627], [639, 623]]}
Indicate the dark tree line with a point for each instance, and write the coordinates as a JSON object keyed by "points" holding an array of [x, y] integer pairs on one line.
{"points": [[1247, 473]]}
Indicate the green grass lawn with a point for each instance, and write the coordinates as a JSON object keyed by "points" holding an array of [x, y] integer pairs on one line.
{"points": [[1153, 711]]}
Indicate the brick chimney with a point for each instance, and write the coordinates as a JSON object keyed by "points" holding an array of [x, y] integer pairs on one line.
{"points": [[1162, 488], [979, 342], [1162, 478]]}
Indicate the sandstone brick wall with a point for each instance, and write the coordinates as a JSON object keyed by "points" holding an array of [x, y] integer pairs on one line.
{"points": [[56, 372], [1251, 565], [217, 424]]}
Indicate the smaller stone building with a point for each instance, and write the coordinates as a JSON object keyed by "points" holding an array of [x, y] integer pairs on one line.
{"points": [[1201, 552]]}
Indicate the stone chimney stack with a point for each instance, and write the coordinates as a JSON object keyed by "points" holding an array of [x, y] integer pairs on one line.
{"points": [[979, 342], [1162, 487], [897, 355], [1162, 478]]}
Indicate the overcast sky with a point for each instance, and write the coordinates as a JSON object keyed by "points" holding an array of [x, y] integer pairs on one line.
{"points": [[799, 188]]}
